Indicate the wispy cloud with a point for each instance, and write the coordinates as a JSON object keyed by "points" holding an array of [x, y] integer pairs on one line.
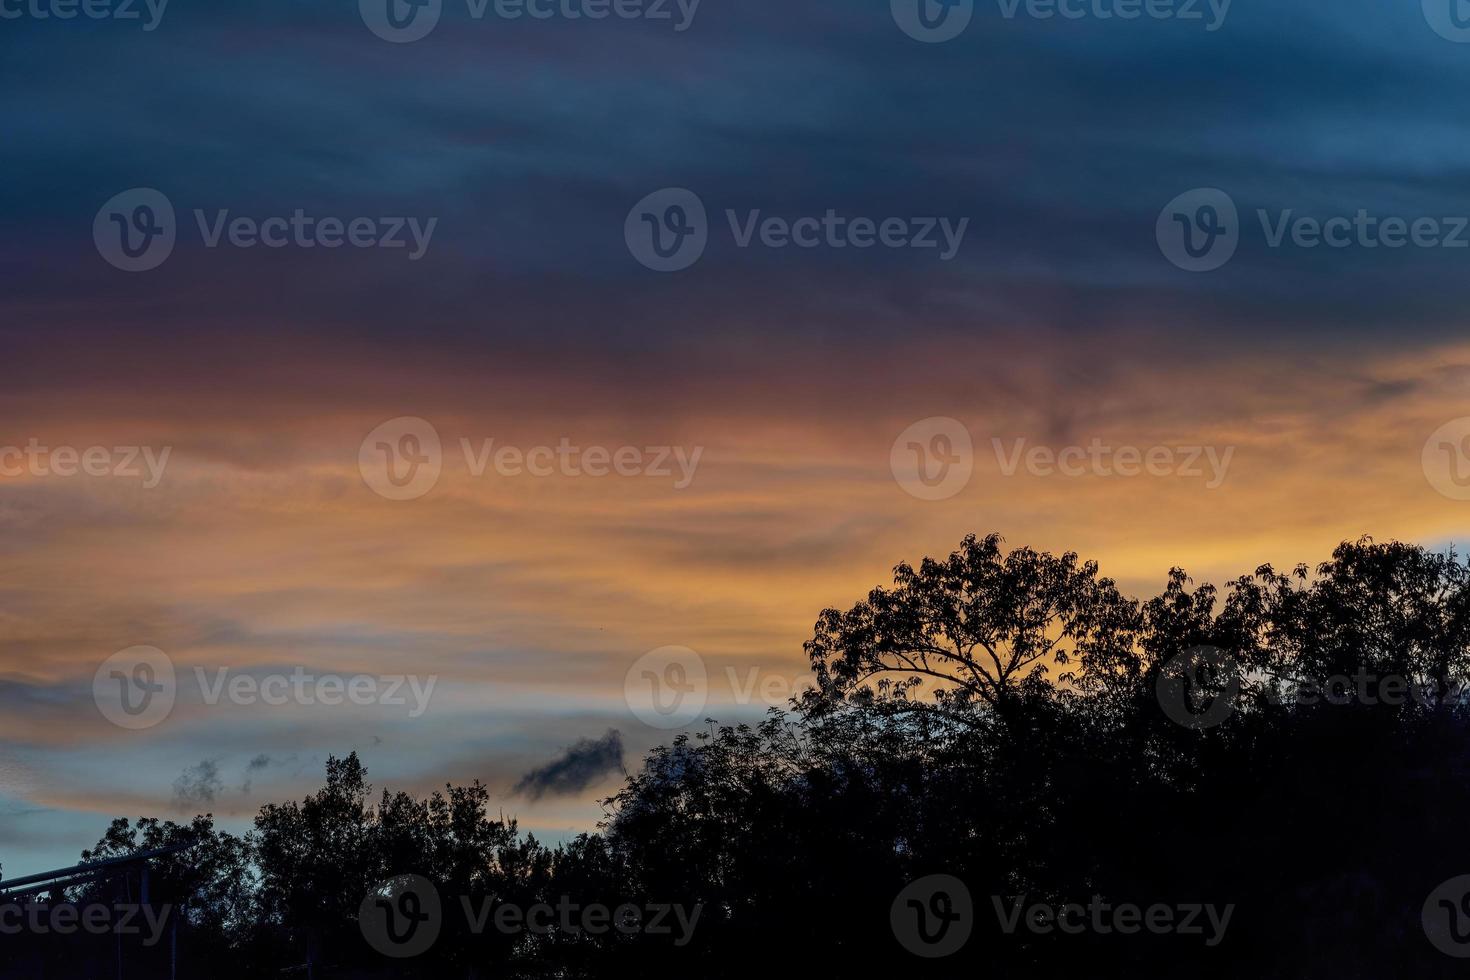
{"points": [[580, 766]]}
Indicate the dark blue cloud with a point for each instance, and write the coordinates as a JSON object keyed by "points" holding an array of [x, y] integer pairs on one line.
{"points": [[529, 140]]}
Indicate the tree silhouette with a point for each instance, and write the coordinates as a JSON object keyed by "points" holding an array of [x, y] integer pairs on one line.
{"points": [[983, 623], [1007, 719]]}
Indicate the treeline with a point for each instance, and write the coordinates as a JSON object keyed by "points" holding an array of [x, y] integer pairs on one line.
{"points": [[1268, 779]]}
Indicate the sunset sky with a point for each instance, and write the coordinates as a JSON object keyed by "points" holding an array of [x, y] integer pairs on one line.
{"points": [[262, 547]]}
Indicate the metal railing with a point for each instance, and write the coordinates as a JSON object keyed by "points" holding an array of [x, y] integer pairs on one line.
{"points": [[86, 871]]}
